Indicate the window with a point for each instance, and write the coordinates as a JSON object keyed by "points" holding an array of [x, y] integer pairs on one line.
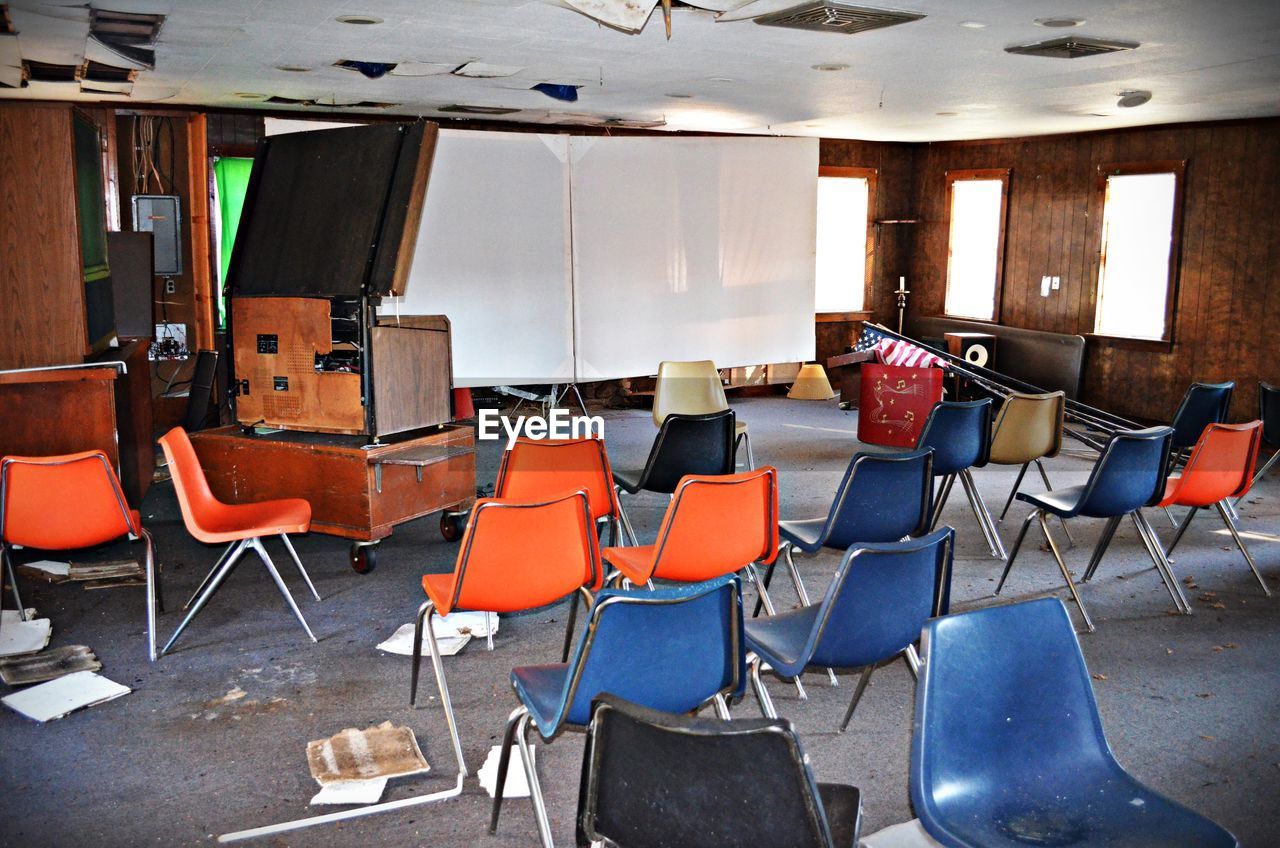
{"points": [[975, 245], [845, 202], [1136, 267]]}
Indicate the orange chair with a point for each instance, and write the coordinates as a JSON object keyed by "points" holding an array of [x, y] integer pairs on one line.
{"points": [[715, 525], [514, 556], [1220, 467], [537, 469], [61, 503], [242, 525]]}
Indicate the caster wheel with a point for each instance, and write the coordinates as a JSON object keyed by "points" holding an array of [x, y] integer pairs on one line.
{"points": [[452, 525], [364, 558]]}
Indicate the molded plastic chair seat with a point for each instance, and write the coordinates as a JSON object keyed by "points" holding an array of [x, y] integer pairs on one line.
{"points": [[634, 562], [539, 688], [804, 533], [1008, 748], [1062, 501], [223, 522], [782, 637]]}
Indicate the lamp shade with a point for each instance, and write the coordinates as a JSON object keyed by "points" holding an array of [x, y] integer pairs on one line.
{"points": [[811, 384]]}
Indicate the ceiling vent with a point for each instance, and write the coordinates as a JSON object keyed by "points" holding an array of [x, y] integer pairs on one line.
{"points": [[828, 16], [1072, 47]]}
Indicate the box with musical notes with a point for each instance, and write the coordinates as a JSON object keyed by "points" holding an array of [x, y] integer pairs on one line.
{"points": [[894, 403]]}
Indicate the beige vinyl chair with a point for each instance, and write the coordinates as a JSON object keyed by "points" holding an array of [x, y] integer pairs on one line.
{"points": [[694, 388], [1027, 429]]}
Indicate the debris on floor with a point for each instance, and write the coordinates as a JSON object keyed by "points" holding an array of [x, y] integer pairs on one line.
{"points": [[23, 637], [465, 624], [350, 754], [48, 665], [94, 575], [350, 792], [401, 642], [65, 695], [46, 569], [906, 835], [516, 785]]}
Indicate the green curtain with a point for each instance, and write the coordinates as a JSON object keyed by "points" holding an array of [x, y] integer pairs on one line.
{"points": [[232, 175]]}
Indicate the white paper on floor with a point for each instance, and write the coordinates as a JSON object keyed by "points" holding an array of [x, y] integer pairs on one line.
{"points": [[57, 569], [401, 642], [57, 698], [517, 785], [465, 623], [23, 637], [906, 835], [351, 792]]}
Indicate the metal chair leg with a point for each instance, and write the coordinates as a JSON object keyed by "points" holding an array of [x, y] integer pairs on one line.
{"points": [[626, 522], [231, 548], [1235, 534], [504, 761], [1066, 575], [757, 685], [913, 660], [573, 620], [753, 575], [298, 562], [1022, 534], [256, 544], [980, 512], [1182, 528], [788, 551], [944, 492], [768, 578], [427, 607], [442, 685], [211, 585], [722, 707], [1048, 487], [13, 583], [535, 788], [1161, 561], [863, 680], [744, 439], [153, 592], [1099, 549], [1014, 491], [1262, 472]]}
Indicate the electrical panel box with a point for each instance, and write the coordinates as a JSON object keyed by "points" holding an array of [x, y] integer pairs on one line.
{"points": [[161, 215]]}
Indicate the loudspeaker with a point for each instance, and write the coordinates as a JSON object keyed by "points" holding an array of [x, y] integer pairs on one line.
{"points": [[131, 277], [161, 215], [975, 348]]}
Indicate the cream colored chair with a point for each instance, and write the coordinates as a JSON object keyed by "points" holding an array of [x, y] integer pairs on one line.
{"points": [[1027, 429], [694, 388]]}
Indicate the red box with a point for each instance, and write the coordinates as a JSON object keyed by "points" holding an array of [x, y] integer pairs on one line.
{"points": [[894, 403]]}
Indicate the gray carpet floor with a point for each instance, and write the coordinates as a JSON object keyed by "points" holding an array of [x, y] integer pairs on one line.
{"points": [[1191, 705]]}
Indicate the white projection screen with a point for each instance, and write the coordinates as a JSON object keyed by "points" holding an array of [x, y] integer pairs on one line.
{"points": [[493, 255], [698, 248]]}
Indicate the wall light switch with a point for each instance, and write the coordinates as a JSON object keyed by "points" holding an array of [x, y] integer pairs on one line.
{"points": [[1057, 283]]}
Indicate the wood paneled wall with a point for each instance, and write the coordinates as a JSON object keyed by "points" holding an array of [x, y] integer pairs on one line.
{"points": [[41, 286], [1227, 305]]}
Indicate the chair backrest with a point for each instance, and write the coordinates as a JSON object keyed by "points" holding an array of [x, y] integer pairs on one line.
{"points": [[689, 388], [201, 387], [689, 444], [959, 433], [536, 469], [517, 555], [881, 596], [1028, 427], [656, 780], [1129, 474], [1004, 700], [1269, 412], [194, 497], [1202, 405], [882, 498], [671, 649], [1221, 464], [718, 525], [62, 502]]}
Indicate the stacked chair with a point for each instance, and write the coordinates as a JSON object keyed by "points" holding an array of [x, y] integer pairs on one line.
{"points": [[534, 469], [1027, 429], [694, 388]]}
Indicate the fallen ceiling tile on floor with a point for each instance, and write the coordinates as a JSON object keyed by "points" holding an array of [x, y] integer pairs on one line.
{"points": [[47, 665], [57, 698], [350, 754], [23, 637]]}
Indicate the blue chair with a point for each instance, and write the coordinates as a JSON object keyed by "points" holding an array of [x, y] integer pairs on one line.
{"points": [[960, 435], [1129, 475], [1008, 749], [1202, 405], [881, 596], [669, 649], [882, 498]]}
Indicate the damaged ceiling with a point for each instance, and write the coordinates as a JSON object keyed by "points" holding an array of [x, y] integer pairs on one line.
{"points": [[823, 70]]}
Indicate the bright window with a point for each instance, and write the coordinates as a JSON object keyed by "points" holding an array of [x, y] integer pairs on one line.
{"points": [[976, 202], [843, 269], [1135, 269]]}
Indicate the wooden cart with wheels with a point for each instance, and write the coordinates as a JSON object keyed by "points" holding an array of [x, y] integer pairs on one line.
{"points": [[358, 491]]}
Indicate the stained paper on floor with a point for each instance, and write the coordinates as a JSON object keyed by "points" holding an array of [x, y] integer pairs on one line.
{"points": [[381, 751], [401, 642], [516, 784], [350, 792], [47, 665], [65, 695], [23, 637]]}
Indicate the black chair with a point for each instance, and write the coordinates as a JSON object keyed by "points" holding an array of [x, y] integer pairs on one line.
{"points": [[1269, 412], [686, 444], [1202, 405], [653, 779], [201, 387]]}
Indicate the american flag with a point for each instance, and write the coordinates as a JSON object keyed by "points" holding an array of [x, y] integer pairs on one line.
{"points": [[891, 351]]}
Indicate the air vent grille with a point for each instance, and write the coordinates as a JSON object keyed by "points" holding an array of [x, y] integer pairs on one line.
{"points": [[827, 16], [1072, 47]]}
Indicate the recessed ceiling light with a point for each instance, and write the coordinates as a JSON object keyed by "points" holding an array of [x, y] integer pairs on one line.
{"points": [[831, 66], [946, 114], [358, 20], [973, 25], [678, 96], [248, 95], [1133, 97], [1059, 23], [293, 69]]}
